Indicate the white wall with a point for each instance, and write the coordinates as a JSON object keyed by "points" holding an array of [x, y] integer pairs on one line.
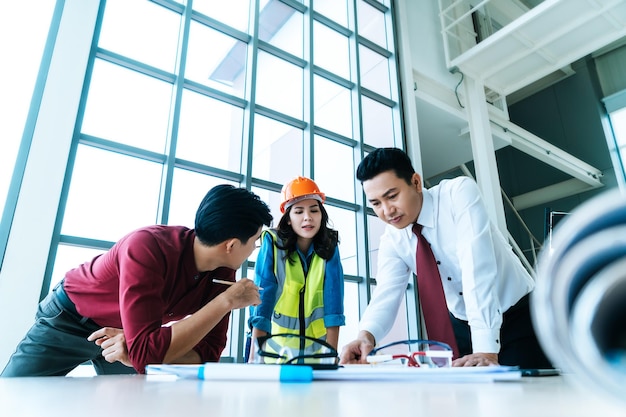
{"points": [[426, 41], [28, 245]]}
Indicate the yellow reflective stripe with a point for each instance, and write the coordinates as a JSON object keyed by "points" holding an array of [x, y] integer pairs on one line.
{"points": [[291, 280]]}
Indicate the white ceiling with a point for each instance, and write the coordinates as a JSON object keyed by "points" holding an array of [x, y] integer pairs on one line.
{"points": [[518, 57], [545, 39], [444, 148], [443, 128]]}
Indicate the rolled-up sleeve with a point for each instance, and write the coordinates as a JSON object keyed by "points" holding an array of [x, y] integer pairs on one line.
{"points": [[212, 345]]}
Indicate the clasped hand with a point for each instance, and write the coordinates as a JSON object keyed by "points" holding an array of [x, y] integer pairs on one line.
{"points": [[113, 344], [477, 359]]}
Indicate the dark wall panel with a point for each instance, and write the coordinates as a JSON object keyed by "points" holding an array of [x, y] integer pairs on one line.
{"points": [[569, 115]]}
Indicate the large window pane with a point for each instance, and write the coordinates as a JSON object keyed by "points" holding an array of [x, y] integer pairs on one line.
{"points": [[618, 121], [231, 120], [336, 10], [277, 150], [400, 328], [344, 221], [69, 257], [283, 27], [333, 109], [334, 169], [15, 95], [280, 85], [210, 132], [235, 13], [374, 72], [331, 50], [188, 190], [127, 107], [216, 60], [371, 24], [110, 195], [378, 129], [375, 229], [273, 200], [141, 30], [349, 332]]}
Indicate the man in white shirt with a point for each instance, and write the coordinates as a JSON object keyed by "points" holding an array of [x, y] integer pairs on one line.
{"points": [[485, 285]]}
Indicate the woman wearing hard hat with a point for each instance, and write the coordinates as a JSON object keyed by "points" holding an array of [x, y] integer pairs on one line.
{"points": [[299, 270]]}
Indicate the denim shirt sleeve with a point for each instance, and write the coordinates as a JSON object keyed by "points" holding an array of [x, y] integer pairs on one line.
{"points": [[333, 292], [261, 315]]}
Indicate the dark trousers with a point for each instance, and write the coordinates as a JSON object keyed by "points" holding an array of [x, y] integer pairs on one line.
{"points": [[57, 343], [518, 341]]}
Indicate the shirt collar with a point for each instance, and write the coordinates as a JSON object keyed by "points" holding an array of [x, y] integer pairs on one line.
{"points": [[427, 215], [308, 253]]}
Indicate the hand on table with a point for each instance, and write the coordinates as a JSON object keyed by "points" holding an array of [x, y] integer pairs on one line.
{"points": [[477, 359], [357, 350]]}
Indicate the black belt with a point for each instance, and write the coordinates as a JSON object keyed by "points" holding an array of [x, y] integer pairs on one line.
{"points": [[66, 303], [522, 303]]}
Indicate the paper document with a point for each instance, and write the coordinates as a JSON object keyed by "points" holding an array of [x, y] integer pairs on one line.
{"points": [[399, 372], [297, 373]]}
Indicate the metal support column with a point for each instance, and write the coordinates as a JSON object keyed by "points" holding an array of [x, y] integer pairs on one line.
{"points": [[484, 152]]}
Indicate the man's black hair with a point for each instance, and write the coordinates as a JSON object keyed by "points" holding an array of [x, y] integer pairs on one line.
{"points": [[385, 159], [228, 212]]}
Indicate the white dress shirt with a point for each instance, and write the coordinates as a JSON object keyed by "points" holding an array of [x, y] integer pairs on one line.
{"points": [[482, 277]]}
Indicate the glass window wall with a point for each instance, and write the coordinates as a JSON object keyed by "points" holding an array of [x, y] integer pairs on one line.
{"points": [[181, 96]]}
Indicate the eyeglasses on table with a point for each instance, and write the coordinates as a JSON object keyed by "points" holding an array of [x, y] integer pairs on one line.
{"points": [[415, 353], [295, 349]]}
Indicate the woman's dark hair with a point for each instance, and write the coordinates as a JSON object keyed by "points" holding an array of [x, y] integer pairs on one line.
{"points": [[228, 212], [324, 242], [385, 159]]}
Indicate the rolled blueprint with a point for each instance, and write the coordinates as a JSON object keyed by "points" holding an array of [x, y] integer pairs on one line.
{"points": [[578, 306]]}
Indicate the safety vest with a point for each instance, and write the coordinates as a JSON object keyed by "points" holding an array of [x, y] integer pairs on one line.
{"points": [[299, 306]]}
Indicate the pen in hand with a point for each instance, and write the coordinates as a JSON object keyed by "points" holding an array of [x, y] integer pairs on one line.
{"points": [[221, 281]]}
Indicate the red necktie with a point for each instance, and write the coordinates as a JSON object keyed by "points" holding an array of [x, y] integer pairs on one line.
{"points": [[431, 296]]}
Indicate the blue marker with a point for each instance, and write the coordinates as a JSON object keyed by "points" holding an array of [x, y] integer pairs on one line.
{"points": [[255, 372]]}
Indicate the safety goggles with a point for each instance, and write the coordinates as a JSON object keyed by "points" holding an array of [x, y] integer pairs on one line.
{"points": [[416, 353], [294, 349]]}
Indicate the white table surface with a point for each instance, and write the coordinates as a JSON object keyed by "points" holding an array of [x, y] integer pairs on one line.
{"points": [[140, 396]]}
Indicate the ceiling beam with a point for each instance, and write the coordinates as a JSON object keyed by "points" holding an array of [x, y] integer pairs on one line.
{"points": [[550, 193]]}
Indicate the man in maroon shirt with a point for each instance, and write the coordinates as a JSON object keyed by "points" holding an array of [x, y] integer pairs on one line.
{"points": [[151, 277]]}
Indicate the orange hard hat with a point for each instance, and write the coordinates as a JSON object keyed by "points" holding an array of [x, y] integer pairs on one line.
{"points": [[298, 189]]}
